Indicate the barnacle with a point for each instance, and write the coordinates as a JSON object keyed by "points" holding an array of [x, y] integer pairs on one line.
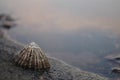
{"points": [[31, 56]]}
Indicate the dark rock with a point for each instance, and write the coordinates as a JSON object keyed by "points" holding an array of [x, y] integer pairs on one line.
{"points": [[59, 70], [115, 70], [114, 58], [7, 21]]}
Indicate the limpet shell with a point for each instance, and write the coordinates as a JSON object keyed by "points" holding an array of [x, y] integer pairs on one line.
{"points": [[31, 56]]}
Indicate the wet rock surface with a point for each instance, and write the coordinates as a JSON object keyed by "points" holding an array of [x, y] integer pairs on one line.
{"points": [[59, 70]]}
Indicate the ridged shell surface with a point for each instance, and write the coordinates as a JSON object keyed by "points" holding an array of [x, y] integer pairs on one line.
{"points": [[32, 57]]}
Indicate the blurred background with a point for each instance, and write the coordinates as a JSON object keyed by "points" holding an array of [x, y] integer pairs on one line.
{"points": [[79, 32]]}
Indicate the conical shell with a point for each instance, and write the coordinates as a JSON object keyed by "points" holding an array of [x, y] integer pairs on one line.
{"points": [[32, 57]]}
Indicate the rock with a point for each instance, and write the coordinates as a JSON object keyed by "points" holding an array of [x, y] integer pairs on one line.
{"points": [[114, 58], [59, 69], [7, 21], [115, 70]]}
